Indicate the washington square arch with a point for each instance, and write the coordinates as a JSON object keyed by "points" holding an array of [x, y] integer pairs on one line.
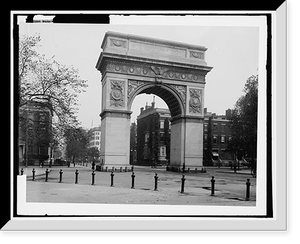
{"points": [[131, 65]]}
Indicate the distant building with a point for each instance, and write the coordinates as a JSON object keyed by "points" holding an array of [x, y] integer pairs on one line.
{"points": [[94, 136], [151, 135], [35, 123], [220, 136], [219, 133]]}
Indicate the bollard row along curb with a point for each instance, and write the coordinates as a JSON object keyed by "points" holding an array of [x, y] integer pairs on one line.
{"points": [[101, 168], [183, 179]]}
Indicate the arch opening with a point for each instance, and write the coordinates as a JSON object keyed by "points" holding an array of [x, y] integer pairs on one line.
{"points": [[166, 93]]}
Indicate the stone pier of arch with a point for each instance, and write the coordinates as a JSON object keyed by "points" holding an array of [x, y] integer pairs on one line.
{"points": [[131, 65]]}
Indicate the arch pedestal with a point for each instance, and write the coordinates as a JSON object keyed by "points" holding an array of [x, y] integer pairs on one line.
{"points": [[131, 65], [115, 137]]}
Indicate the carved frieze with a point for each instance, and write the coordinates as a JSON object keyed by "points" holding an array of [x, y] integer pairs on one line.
{"points": [[133, 85], [117, 43], [198, 55], [195, 102], [155, 71], [181, 90], [117, 93], [159, 70]]}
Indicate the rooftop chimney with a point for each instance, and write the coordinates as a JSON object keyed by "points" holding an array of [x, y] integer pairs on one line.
{"points": [[146, 107], [153, 103]]}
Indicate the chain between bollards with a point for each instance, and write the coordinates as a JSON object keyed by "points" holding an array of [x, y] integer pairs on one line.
{"points": [[76, 176], [182, 184], [212, 185], [132, 180], [60, 175], [33, 174], [248, 190], [155, 182], [93, 177]]}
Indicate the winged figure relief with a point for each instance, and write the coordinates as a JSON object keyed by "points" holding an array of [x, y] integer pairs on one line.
{"points": [[159, 71]]}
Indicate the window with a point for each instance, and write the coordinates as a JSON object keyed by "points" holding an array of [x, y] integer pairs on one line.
{"points": [[205, 127], [222, 139], [162, 124], [215, 126], [229, 138], [215, 139], [222, 127], [97, 138], [97, 143], [163, 151], [146, 137], [205, 137], [162, 137]]}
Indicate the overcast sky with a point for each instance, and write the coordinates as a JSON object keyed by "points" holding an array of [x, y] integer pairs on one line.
{"points": [[232, 52]]}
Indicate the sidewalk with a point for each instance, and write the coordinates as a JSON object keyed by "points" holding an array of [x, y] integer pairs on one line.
{"points": [[228, 190]]}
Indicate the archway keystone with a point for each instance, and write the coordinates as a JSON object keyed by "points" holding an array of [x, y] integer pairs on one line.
{"points": [[131, 65]]}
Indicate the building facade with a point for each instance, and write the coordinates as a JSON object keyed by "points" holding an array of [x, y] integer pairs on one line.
{"points": [[35, 123], [94, 137], [216, 139], [153, 135]]}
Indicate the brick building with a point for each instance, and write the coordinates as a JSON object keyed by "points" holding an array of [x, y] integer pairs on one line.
{"points": [[217, 136], [35, 123], [215, 142], [153, 135]]}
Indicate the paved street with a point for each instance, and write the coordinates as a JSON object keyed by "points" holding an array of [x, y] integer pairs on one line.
{"points": [[230, 188]]}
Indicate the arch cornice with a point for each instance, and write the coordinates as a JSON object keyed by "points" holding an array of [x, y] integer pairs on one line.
{"points": [[120, 64]]}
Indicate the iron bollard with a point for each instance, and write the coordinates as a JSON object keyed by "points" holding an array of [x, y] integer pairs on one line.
{"points": [[248, 190], [212, 185], [76, 176], [132, 180], [155, 182], [22, 171], [47, 172], [93, 177], [112, 179], [33, 174], [182, 184], [60, 175]]}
